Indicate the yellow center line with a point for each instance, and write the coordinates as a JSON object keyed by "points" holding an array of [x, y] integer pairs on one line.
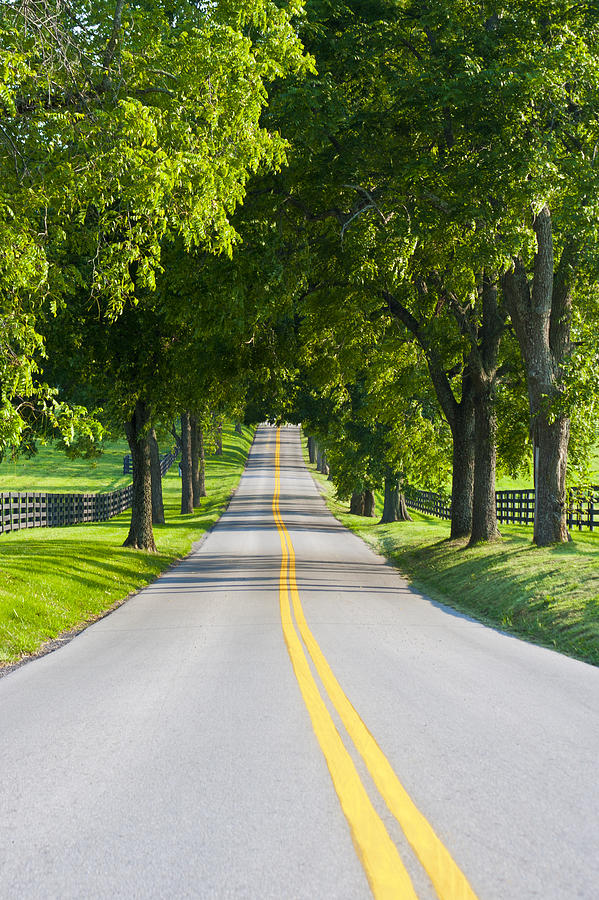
{"points": [[449, 881], [384, 869]]}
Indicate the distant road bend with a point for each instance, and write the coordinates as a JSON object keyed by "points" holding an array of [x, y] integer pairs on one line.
{"points": [[280, 716]]}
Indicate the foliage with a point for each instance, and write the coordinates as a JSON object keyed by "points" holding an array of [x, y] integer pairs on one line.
{"points": [[194, 213], [368, 401], [120, 126], [421, 153]]}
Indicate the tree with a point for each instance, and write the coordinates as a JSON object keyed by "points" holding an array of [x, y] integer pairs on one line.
{"points": [[438, 135], [364, 395], [156, 480], [137, 150]]}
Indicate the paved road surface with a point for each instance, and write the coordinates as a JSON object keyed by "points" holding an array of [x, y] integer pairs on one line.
{"points": [[184, 746]]}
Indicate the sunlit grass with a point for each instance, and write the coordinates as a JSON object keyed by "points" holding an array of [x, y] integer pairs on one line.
{"points": [[547, 595], [55, 579], [51, 470]]}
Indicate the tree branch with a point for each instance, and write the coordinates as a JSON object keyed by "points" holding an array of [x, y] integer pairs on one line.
{"points": [[113, 40], [516, 293], [542, 285], [439, 377], [311, 216], [561, 308]]}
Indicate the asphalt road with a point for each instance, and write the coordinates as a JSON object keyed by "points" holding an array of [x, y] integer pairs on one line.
{"points": [[185, 745]]}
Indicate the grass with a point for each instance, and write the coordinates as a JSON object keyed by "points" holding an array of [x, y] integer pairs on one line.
{"points": [[525, 480], [54, 580], [50, 470], [546, 595]]}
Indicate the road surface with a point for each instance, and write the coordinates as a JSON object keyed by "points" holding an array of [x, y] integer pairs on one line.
{"points": [[280, 716]]}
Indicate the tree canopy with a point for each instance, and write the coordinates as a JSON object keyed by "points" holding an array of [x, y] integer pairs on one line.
{"points": [[379, 219]]}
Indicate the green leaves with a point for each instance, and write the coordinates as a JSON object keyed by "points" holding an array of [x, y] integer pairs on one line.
{"points": [[418, 157], [121, 127]]}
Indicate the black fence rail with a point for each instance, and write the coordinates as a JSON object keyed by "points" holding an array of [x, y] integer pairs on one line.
{"points": [[18, 511], [517, 507], [43, 510], [428, 502], [23, 511], [166, 461], [583, 507]]}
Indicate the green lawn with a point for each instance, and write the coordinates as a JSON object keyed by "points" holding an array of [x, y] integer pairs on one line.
{"points": [[549, 596], [507, 483], [525, 480], [54, 580], [50, 470]]}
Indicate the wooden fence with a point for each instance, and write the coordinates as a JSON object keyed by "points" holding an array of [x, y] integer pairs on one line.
{"points": [[43, 510], [517, 507], [428, 502], [583, 507], [128, 462]]}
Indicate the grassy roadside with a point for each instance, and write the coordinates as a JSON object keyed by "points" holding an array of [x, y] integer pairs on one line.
{"points": [[549, 596], [53, 580]]}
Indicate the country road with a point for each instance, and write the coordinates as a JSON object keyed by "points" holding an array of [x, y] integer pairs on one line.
{"points": [[280, 716]]}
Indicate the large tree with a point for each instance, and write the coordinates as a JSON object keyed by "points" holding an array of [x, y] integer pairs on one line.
{"points": [[129, 121], [450, 154], [124, 127]]}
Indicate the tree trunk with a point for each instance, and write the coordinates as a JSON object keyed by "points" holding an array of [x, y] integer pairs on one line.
{"points": [[403, 509], [484, 513], [318, 458], [202, 463], [394, 505], [177, 438], [356, 504], [483, 366], [541, 312], [219, 439], [157, 501], [550, 487], [325, 469], [462, 478], [369, 503], [238, 428], [141, 535], [195, 461], [186, 480], [459, 416], [312, 450]]}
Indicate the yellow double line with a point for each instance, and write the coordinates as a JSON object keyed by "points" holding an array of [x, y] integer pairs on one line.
{"points": [[382, 863]]}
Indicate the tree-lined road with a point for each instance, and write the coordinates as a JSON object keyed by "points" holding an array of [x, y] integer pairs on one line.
{"points": [[185, 745]]}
